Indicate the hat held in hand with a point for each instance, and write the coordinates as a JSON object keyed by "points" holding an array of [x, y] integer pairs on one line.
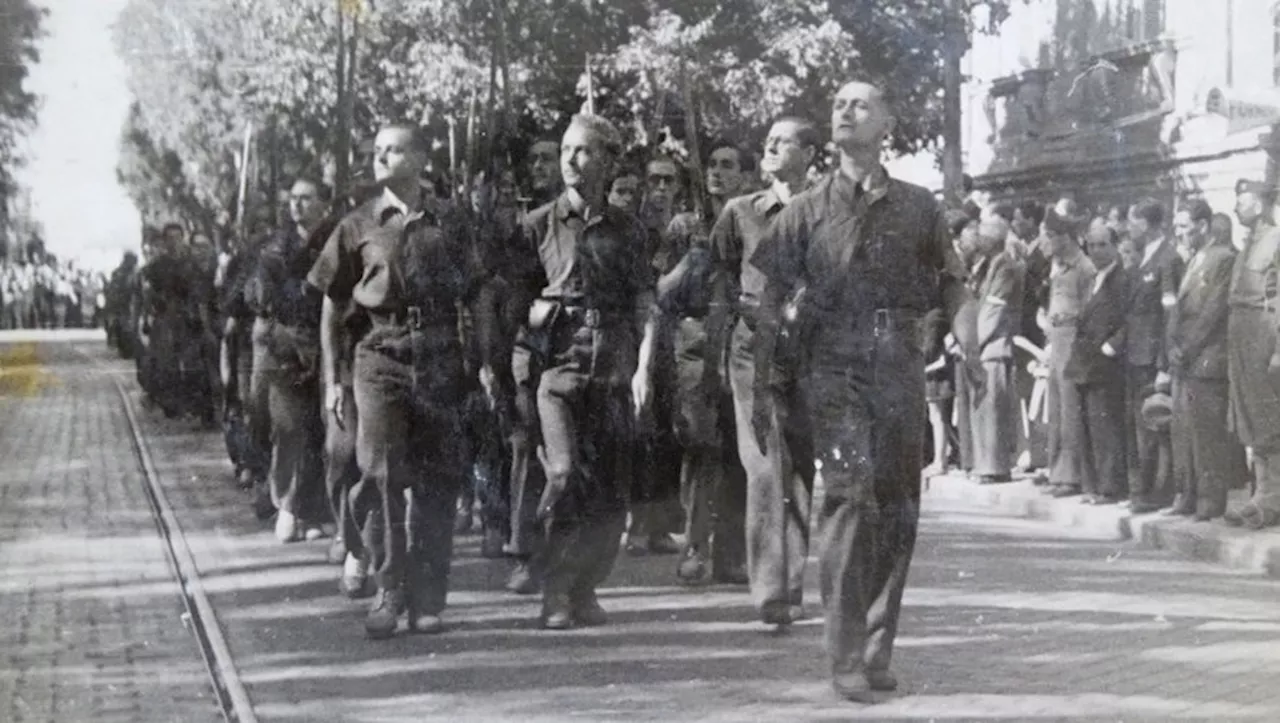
{"points": [[1157, 412]]}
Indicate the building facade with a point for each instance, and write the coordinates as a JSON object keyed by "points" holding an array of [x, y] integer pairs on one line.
{"points": [[1111, 100]]}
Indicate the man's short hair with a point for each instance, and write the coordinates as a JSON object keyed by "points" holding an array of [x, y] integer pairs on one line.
{"points": [[957, 220], [1058, 223], [806, 131], [600, 126], [1003, 211], [323, 190], [682, 173], [1032, 211], [172, 226], [1221, 229], [1149, 210], [1199, 210], [418, 139], [746, 161], [886, 93]]}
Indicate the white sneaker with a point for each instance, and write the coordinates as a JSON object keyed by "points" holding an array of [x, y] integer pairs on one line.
{"points": [[286, 527], [313, 533]]}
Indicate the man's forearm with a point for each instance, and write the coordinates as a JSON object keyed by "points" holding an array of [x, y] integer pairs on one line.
{"points": [[330, 337], [228, 352], [650, 316]]}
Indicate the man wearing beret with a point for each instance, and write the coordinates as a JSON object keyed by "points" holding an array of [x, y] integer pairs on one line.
{"points": [[1253, 359]]}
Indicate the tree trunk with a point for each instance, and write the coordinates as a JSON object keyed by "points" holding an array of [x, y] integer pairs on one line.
{"points": [[952, 152]]}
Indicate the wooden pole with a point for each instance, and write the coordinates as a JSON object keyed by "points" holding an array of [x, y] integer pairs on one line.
{"points": [[242, 205]]}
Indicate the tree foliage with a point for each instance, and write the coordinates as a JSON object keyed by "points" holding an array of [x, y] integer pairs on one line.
{"points": [[202, 70], [20, 30]]}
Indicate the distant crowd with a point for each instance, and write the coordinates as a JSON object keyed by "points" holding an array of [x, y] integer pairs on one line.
{"points": [[48, 293]]}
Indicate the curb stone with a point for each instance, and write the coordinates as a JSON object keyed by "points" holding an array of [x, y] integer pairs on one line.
{"points": [[1256, 552]]}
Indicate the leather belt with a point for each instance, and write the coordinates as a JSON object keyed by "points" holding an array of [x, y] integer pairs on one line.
{"points": [[884, 320], [590, 317], [1063, 320], [416, 317]]}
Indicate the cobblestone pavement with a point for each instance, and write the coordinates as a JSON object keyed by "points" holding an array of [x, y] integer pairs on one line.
{"points": [[90, 626], [1004, 619]]}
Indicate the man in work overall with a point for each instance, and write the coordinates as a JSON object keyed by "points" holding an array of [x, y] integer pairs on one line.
{"points": [[875, 266]]}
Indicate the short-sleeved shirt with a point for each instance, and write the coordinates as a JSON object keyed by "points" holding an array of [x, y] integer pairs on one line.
{"points": [[736, 236], [599, 261], [903, 259], [385, 260]]}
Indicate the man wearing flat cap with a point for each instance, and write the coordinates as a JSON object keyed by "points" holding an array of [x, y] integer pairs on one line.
{"points": [[1253, 359]]}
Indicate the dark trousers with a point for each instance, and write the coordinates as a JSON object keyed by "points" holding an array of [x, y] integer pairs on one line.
{"points": [[713, 491], [526, 476], [297, 427], [408, 388], [779, 483], [488, 473], [658, 510], [1206, 456], [1149, 452], [865, 396], [245, 451], [1102, 407], [341, 473], [712, 483], [588, 432]]}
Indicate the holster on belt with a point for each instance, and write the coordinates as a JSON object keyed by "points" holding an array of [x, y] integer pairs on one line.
{"points": [[539, 325], [793, 335]]}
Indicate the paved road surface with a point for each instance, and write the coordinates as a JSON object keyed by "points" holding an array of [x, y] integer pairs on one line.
{"points": [[1004, 618]]}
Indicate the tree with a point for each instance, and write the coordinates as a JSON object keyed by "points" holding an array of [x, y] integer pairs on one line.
{"points": [[317, 76], [20, 30]]}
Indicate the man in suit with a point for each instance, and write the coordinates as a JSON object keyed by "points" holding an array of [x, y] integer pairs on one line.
{"points": [[1154, 294], [1099, 376], [997, 282], [1202, 445]]}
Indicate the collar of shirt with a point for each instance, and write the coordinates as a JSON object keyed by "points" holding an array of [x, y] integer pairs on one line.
{"points": [[1061, 266], [565, 211], [389, 205], [979, 266], [1151, 249], [1102, 275], [766, 202], [875, 184]]}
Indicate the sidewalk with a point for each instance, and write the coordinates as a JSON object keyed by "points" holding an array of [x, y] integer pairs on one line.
{"points": [[90, 615], [1256, 552]]}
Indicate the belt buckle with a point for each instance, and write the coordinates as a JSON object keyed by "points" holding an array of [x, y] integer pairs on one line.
{"points": [[413, 317], [591, 317], [880, 320]]}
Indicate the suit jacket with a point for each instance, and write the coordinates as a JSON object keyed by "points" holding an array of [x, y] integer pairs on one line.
{"points": [[1198, 324], [1153, 295], [999, 293], [1102, 321]]}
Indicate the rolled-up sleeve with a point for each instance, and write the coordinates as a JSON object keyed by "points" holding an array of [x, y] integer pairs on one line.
{"points": [[336, 270]]}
